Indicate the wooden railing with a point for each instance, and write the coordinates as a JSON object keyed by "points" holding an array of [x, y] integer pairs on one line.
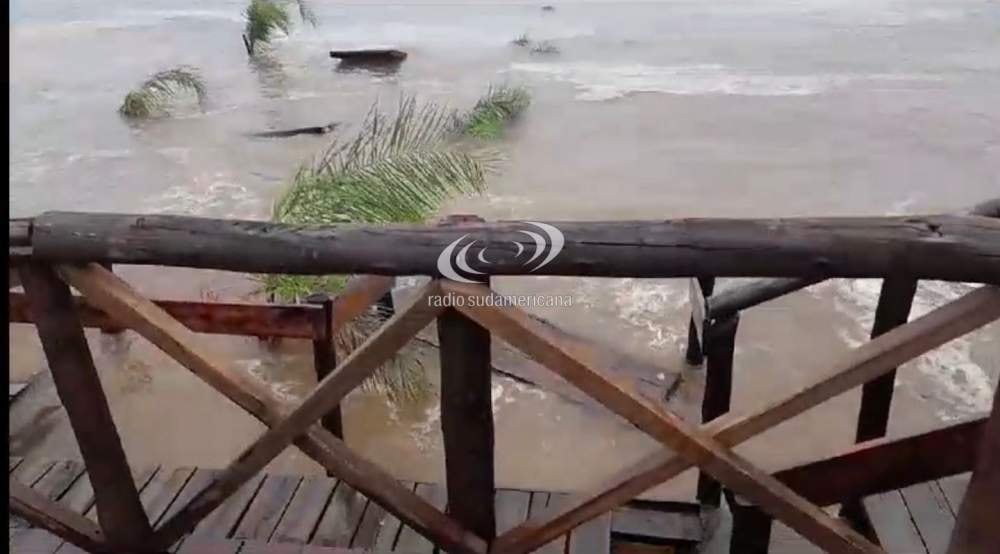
{"points": [[60, 250]]}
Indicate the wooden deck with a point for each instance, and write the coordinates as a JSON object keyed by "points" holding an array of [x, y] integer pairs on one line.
{"points": [[316, 514], [919, 518]]}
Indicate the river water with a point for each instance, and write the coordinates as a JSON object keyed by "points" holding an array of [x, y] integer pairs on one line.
{"points": [[650, 110]]}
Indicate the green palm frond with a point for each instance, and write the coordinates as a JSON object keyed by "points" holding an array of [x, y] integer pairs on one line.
{"points": [[263, 19], [398, 168], [155, 94], [500, 105]]}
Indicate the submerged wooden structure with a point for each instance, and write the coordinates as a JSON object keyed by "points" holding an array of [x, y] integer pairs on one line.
{"points": [[56, 251]]}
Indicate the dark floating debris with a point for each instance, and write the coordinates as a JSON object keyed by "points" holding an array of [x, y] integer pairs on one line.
{"points": [[319, 130], [548, 8], [383, 60], [369, 55]]}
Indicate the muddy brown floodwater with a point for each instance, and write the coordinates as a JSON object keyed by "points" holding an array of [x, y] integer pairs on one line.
{"points": [[650, 111]]}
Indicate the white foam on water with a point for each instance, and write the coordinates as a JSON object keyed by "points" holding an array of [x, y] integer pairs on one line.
{"points": [[961, 385], [219, 198], [644, 304], [600, 81]]}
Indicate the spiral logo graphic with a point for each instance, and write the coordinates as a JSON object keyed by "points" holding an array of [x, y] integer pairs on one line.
{"points": [[549, 243]]}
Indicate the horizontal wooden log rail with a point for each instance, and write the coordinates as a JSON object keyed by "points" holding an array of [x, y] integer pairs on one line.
{"points": [[734, 300], [943, 247]]}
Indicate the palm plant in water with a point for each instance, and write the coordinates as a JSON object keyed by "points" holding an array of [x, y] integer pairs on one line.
{"points": [[398, 168], [264, 18], [154, 96]]}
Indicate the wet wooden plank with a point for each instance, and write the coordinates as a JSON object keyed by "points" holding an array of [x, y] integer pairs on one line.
{"points": [[664, 523], [221, 523], [954, 488], [162, 489], [892, 522], [59, 479], [931, 514], [381, 526], [409, 540], [544, 503], [593, 537], [206, 545], [198, 481], [268, 505], [511, 508], [257, 547], [305, 510], [342, 518], [34, 541], [28, 473]]}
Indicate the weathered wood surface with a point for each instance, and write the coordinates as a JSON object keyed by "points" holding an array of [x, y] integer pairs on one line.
{"points": [[79, 387], [693, 444], [467, 421], [357, 367], [945, 247], [256, 320], [976, 526], [859, 366], [883, 465], [115, 296]]}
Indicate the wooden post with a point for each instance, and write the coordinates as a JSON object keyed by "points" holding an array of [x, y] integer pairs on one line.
{"points": [[976, 525], [694, 354], [751, 532], [119, 510], [893, 310], [720, 345], [467, 417], [325, 357]]}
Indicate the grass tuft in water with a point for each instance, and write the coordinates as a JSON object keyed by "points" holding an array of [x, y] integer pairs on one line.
{"points": [[523, 40], [154, 96], [545, 47]]}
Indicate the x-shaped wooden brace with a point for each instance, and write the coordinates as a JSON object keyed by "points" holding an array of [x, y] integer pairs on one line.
{"points": [[707, 447], [109, 293]]}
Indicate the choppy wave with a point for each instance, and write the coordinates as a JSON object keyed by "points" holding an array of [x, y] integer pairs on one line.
{"points": [[598, 81], [960, 384], [220, 198]]}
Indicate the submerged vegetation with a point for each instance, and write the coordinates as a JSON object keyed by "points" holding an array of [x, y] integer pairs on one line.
{"points": [[544, 47], [154, 96], [540, 47], [492, 112], [266, 17]]}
